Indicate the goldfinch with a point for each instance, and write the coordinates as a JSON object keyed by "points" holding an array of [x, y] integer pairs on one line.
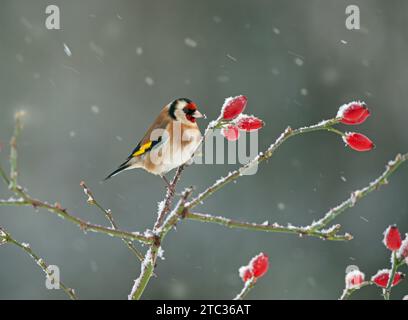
{"points": [[170, 141]]}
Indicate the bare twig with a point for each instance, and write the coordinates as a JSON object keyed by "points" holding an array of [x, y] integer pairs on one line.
{"points": [[5, 237], [13, 151], [108, 214], [169, 197], [246, 289]]}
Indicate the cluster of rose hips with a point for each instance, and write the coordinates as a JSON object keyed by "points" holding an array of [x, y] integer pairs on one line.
{"points": [[399, 248], [354, 113], [233, 120]]}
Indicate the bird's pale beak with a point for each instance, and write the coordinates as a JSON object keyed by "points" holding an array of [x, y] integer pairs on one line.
{"points": [[198, 114]]}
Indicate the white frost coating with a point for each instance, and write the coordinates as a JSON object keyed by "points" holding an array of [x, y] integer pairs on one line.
{"points": [[344, 107], [160, 253], [146, 261], [40, 262], [160, 206], [25, 245], [403, 250], [67, 50], [147, 233], [242, 270]]}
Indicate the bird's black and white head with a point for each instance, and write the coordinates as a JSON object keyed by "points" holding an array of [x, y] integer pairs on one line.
{"points": [[184, 110]]}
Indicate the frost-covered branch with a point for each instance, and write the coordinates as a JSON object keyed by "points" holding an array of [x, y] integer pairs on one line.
{"points": [[149, 261], [24, 199], [5, 237], [329, 234], [391, 167]]}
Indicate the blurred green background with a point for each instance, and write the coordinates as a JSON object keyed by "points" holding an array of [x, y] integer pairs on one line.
{"points": [[294, 60]]}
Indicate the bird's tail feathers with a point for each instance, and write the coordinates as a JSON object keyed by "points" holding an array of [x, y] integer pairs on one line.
{"points": [[121, 168]]}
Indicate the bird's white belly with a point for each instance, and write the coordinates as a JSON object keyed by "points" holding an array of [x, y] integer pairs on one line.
{"points": [[180, 153]]}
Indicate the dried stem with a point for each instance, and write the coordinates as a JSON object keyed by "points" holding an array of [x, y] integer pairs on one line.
{"points": [[7, 238]]}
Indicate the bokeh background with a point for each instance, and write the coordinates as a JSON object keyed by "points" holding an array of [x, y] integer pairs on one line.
{"points": [[296, 62]]}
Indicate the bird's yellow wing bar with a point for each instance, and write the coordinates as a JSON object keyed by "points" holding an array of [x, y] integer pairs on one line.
{"points": [[142, 149]]}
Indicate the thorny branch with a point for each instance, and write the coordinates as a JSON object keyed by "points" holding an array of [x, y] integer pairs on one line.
{"points": [[168, 218]]}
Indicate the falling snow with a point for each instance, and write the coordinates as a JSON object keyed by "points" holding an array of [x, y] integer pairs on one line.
{"points": [[190, 42], [298, 61], [217, 19], [139, 51], [304, 92], [95, 109], [149, 81], [281, 206], [67, 50]]}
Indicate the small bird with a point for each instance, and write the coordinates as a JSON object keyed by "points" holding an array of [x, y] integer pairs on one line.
{"points": [[170, 141]]}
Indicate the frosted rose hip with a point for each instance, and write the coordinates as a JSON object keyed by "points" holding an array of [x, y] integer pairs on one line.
{"points": [[381, 278], [353, 113], [354, 279], [233, 107], [358, 141], [259, 265], [249, 123], [392, 238], [231, 133], [256, 268]]}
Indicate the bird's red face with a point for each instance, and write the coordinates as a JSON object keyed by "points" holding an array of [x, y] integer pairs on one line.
{"points": [[191, 112]]}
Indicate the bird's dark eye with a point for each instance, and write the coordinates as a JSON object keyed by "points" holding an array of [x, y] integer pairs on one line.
{"points": [[190, 109]]}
